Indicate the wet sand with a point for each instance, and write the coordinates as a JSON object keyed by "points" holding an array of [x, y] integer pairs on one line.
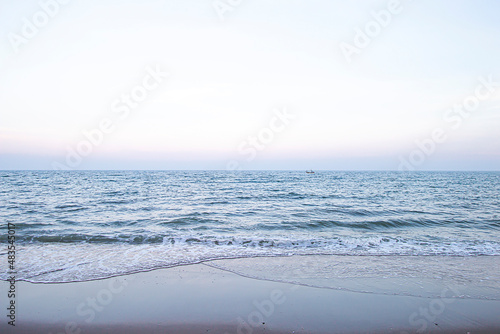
{"points": [[201, 298]]}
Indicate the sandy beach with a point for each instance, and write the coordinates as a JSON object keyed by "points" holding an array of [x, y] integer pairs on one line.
{"points": [[250, 167], [202, 298]]}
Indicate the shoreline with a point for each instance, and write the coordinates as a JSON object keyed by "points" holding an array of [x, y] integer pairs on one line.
{"points": [[212, 261], [201, 298]]}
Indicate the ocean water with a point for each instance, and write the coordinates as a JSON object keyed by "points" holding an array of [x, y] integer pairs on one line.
{"points": [[83, 225]]}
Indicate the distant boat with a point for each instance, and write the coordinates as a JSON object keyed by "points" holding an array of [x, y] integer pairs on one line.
{"points": [[310, 171]]}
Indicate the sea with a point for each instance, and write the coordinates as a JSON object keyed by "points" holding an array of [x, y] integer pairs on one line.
{"points": [[85, 225]]}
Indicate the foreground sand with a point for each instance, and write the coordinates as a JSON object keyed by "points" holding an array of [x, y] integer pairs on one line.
{"points": [[202, 298]]}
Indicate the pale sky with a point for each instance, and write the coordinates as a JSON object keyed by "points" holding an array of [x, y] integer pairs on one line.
{"points": [[258, 84]]}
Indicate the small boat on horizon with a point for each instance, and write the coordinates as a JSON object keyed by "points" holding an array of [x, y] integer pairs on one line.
{"points": [[310, 171]]}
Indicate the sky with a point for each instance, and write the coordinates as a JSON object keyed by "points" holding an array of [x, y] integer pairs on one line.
{"points": [[250, 84]]}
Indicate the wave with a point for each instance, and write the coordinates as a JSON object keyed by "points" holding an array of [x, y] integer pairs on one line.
{"points": [[338, 245], [57, 262], [70, 207]]}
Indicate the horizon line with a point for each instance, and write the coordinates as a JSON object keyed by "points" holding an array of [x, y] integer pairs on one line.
{"points": [[248, 170]]}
